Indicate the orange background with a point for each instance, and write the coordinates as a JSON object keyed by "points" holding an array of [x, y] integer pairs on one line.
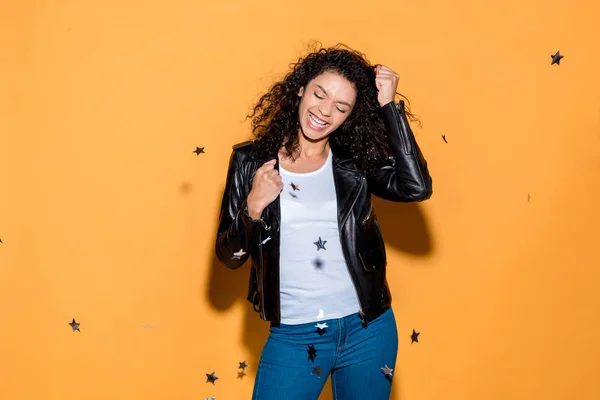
{"points": [[107, 216]]}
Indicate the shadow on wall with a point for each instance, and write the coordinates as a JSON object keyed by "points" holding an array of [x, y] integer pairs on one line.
{"points": [[403, 227]]}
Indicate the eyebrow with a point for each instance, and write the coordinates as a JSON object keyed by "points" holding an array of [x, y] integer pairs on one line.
{"points": [[341, 102]]}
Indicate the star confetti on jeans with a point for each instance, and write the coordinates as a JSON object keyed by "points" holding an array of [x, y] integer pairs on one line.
{"points": [[414, 337], [317, 371], [312, 352], [321, 328], [238, 255], [320, 244], [387, 371], [211, 378], [75, 325]]}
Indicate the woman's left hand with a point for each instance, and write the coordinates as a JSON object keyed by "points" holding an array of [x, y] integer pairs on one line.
{"points": [[386, 81]]}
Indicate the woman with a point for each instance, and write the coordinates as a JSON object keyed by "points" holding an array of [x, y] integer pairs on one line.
{"points": [[297, 201]]}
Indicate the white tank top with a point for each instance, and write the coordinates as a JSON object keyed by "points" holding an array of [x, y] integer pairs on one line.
{"points": [[315, 283]]}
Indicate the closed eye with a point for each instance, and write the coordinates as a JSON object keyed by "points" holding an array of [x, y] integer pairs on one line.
{"points": [[321, 98]]}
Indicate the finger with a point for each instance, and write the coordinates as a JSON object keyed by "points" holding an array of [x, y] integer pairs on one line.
{"points": [[269, 165], [387, 73]]}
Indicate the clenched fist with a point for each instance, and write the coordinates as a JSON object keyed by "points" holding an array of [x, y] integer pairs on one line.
{"points": [[266, 186]]}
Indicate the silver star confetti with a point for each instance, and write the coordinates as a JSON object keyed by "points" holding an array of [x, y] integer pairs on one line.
{"points": [[556, 58], [387, 371], [211, 378], [320, 244], [75, 325], [321, 328], [238, 255]]}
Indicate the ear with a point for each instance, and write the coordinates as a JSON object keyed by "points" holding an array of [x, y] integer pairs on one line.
{"points": [[301, 91]]}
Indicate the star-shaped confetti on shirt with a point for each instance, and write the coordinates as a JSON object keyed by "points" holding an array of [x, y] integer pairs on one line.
{"points": [[317, 371], [211, 378], [320, 316], [238, 254], [199, 150], [295, 187], [387, 371], [321, 328], [312, 352], [243, 365], [414, 337], [320, 244], [75, 325], [556, 58]]}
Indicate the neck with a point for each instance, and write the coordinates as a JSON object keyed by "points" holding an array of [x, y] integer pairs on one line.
{"points": [[312, 149]]}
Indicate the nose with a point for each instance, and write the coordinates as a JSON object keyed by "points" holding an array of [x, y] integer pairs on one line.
{"points": [[325, 109]]}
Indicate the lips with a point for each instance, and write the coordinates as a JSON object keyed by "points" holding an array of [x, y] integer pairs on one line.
{"points": [[316, 123]]}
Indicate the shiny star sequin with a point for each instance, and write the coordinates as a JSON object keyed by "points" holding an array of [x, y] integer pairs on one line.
{"points": [[556, 58], [320, 244], [387, 371], [238, 254], [321, 328], [320, 316], [414, 337], [211, 378], [74, 325]]}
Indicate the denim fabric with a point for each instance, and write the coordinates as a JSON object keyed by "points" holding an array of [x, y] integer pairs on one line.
{"points": [[354, 355]]}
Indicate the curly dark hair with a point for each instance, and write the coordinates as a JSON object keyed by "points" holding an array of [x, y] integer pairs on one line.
{"points": [[362, 136]]}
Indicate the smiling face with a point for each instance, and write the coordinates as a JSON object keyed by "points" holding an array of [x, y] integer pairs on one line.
{"points": [[325, 104]]}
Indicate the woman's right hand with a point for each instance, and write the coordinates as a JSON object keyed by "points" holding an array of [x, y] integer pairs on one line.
{"points": [[266, 186]]}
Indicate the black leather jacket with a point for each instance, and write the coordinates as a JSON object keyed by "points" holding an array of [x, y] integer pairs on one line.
{"points": [[240, 237]]}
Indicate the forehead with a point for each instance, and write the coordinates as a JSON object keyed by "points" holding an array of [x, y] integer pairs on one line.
{"points": [[334, 84]]}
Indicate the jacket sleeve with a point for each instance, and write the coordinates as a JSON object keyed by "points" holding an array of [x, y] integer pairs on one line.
{"points": [[237, 233], [408, 178]]}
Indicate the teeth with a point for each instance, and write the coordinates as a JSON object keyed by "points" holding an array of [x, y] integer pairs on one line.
{"points": [[318, 121]]}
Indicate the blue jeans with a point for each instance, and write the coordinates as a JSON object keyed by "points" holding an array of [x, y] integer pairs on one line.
{"points": [[354, 355]]}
